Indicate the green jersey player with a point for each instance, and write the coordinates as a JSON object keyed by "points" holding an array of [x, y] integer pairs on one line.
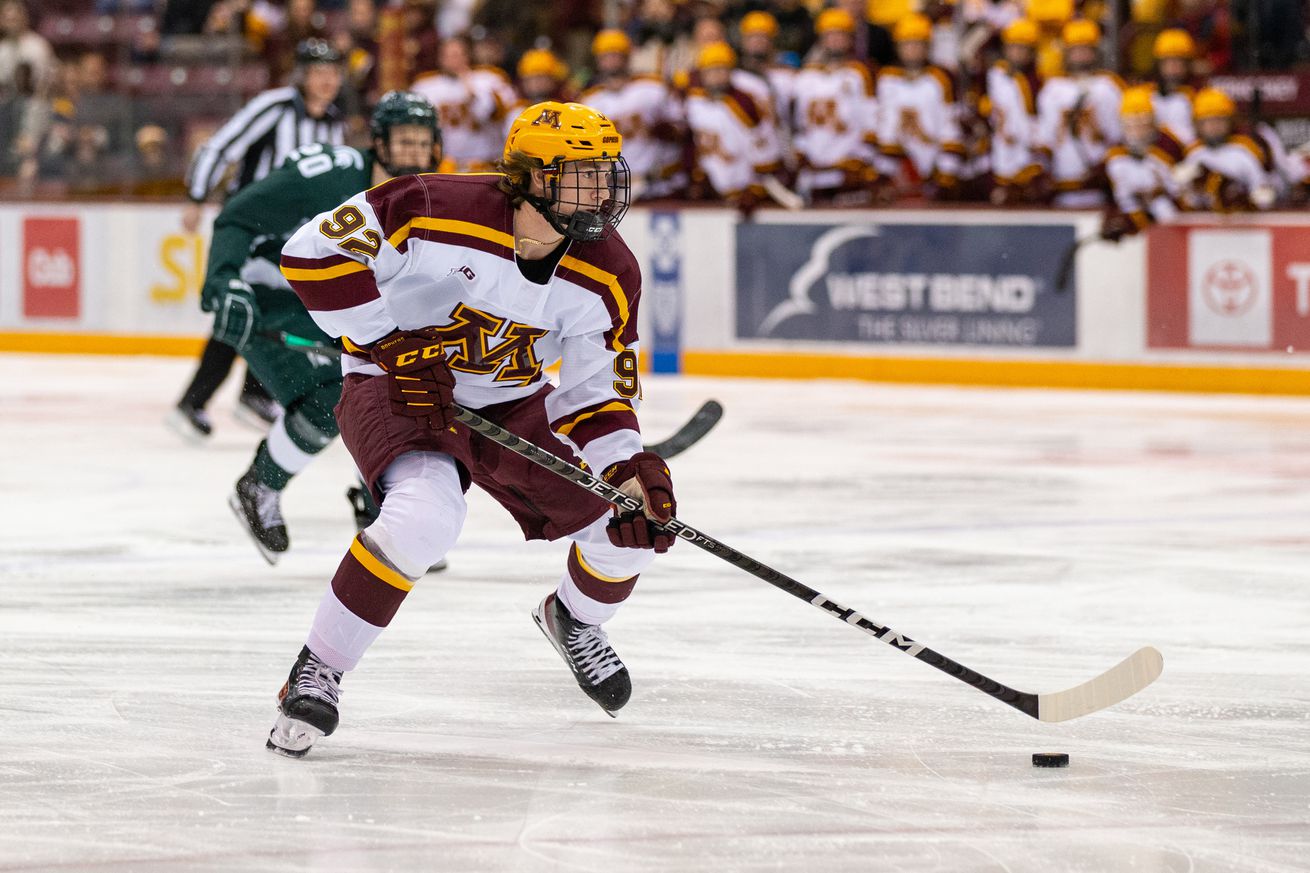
{"points": [[254, 305]]}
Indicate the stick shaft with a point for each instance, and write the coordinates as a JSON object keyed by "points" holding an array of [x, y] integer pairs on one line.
{"points": [[1022, 701]]}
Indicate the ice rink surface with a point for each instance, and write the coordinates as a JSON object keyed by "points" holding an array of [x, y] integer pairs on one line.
{"points": [[1035, 536]]}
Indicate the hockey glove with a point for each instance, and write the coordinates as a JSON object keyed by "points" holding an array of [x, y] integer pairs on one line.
{"points": [[645, 476], [235, 314], [420, 383]]}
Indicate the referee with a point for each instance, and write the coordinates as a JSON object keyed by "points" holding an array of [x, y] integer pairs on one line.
{"points": [[245, 149]]}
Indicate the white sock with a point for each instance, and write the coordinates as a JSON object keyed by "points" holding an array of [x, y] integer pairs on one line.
{"points": [[283, 451], [339, 637], [585, 609]]}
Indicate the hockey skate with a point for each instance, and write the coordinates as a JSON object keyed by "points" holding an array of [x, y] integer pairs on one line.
{"points": [[307, 706], [586, 649], [191, 422], [366, 513], [259, 509], [257, 410]]}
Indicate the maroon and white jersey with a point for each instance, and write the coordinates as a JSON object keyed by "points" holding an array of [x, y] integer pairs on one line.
{"points": [[1173, 112], [470, 108], [918, 120], [835, 114], [1013, 120], [438, 251], [736, 140], [649, 117], [1077, 122], [1142, 183]]}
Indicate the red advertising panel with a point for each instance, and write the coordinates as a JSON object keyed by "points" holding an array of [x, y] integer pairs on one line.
{"points": [[51, 268], [1241, 287]]}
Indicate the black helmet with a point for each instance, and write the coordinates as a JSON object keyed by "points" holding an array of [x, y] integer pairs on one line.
{"points": [[316, 51], [397, 108], [403, 107]]}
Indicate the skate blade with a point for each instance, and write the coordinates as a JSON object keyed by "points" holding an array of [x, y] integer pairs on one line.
{"points": [[291, 738], [182, 426], [266, 553], [539, 617]]}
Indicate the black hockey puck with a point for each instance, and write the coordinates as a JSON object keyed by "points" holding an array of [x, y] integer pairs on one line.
{"points": [[1050, 759]]}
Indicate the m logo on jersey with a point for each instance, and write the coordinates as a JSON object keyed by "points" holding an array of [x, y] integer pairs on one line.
{"points": [[548, 117], [478, 342]]}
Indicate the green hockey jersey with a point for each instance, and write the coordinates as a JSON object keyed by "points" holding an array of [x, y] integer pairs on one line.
{"points": [[252, 227]]}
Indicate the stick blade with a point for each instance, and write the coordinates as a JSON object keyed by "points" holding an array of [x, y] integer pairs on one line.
{"points": [[1115, 685]]}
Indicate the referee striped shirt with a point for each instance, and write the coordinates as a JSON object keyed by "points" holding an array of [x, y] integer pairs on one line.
{"points": [[258, 138]]}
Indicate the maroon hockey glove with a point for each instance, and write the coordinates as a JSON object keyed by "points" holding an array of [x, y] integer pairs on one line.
{"points": [[419, 379], [645, 473]]}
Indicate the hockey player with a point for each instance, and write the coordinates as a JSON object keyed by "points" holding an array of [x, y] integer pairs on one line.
{"points": [[834, 114], [1172, 94], [643, 108], [542, 76], [471, 105], [1078, 118], [758, 31], [467, 287], [1012, 90], [917, 114], [735, 139], [249, 146], [1224, 171], [1141, 170], [252, 302]]}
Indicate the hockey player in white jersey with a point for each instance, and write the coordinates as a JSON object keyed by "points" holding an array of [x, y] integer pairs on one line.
{"points": [[1012, 89], [644, 108], [1140, 170], [462, 289], [1078, 118], [834, 114], [735, 140], [471, 104], [758, 31], [918, 127], [1172, 93], [1224, 171], [542, 75]]}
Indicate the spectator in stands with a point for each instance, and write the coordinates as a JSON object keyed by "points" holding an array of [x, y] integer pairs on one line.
{"points": [[1140, 171], [835, 117], [156, 171], [302, 22], [1172, 93], [873, 40], [421, 40], [662, 40], [20, 46], [918, 126], [645, 111], [1211, 26], [1012, 89], [98, 105], [1224, 171], [247, 148], [1078, 118]]}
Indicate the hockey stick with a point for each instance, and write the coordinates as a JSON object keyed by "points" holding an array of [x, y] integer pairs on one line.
{"points": [[696, 427], [1118, 683], [690, 433], [1065, 272]]}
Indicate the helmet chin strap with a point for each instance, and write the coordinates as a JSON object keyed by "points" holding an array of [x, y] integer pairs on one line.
{"points": [[581, 226]]}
